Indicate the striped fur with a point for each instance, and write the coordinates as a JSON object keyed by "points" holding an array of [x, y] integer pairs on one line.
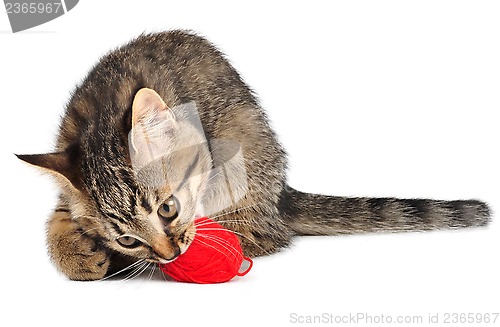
{"points": [[331, 215], [101, 198]]}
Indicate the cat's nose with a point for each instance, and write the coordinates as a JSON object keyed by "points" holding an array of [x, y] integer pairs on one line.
{"points": [[166, 248], [177, 252]]}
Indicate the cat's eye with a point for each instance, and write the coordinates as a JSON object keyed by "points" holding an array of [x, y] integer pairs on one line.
{"points": [[169, 210], [128, 242]]}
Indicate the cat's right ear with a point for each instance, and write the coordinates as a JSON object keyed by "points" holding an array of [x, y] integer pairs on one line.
{"points": [[153, 128], [58, 163]]}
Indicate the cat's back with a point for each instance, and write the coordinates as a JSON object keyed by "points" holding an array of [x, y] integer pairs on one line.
{"points": [[180, 66]]}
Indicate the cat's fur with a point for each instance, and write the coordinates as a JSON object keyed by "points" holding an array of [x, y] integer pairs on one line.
{"points": [[101, 197]]}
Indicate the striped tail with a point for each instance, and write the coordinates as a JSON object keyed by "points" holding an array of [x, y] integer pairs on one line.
{"points": [[313, 214]]}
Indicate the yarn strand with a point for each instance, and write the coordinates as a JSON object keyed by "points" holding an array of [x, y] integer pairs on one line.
{"points": [[214, 256]]}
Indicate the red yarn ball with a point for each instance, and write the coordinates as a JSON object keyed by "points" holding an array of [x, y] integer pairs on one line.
{"points": [[214, 256]]}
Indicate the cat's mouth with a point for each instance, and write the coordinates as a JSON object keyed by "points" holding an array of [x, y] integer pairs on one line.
{"points": [[181, 248], [167, 251], [165, 261], [159, 260]]}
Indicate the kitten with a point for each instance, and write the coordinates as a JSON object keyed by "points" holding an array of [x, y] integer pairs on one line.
{"points": [[145, 136]]}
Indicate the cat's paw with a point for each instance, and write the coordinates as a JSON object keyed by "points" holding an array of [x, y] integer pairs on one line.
{"points": [[75, 253], [84, 259]]}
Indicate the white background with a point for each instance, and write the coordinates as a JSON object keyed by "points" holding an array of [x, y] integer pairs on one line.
{"points": [[370, 98]]}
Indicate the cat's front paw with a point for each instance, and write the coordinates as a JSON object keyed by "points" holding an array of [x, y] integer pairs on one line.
{"points": [[75, 253], [84, 260]]}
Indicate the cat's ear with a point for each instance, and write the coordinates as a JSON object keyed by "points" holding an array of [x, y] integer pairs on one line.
{"points": [[153, 128], [59, 163], [147, 105]]}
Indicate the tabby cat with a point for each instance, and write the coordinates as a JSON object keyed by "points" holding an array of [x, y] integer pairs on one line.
{"points": [[108, 216]]}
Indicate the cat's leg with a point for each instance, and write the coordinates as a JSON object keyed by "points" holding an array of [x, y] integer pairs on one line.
{"points": [[77, 252], [73, 249]]}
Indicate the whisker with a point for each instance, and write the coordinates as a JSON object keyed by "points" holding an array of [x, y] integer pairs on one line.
{"points": [[136, 272], [221, 239], [163, 275], [239, 234], [143, 270], [236, 210], [223, 243], [152, 272], [238, 222], [124, 269], [136, 269], [211, 246]]}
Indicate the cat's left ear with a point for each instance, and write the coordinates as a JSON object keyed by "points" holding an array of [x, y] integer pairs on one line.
{"points": [[58, 163], [153, 128]]}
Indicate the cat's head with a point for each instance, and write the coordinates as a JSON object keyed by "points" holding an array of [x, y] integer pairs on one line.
{"points": [[138, 194]]}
